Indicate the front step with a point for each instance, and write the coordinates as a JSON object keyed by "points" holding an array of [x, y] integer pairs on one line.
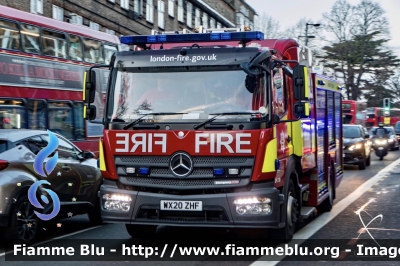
{"points": [[307, 211]]}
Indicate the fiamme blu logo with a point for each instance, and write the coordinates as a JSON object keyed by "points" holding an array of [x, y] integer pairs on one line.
{"points": [[49, 167]]}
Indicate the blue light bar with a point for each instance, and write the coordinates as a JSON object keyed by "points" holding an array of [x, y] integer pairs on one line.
{"points": [[219, 171], [193, 37], [143, 171]]}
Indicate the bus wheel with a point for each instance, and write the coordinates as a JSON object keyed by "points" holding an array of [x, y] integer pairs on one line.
{"points": [[291, 209]]}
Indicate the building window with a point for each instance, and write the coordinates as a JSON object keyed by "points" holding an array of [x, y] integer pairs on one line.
{"points": [[244, 10], [149, 11], [212, 23], [171, 6], [180, 10], [138, 6], [189, 14], [218, 25], [58, 13], [205, 20], [161, 10], [197, 18], [239, 20], [94, 26], [125, 4], [110, 31], [75, 19], [251, 25], [37, 6]]}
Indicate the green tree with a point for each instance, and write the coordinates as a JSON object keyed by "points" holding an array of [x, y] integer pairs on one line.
{"points": [[357, 53]]}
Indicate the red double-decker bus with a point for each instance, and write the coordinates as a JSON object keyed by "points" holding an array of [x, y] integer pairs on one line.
{"points": [[354, 112], [377, 114], [42, 62]]}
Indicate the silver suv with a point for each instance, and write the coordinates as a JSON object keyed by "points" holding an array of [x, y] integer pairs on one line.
{"points": [[75, 179]]}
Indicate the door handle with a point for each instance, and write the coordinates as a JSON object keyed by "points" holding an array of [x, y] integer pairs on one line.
{"points": [[66, 168]]}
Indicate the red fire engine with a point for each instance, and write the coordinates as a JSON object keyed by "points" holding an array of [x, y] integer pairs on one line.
{"points": [[217, 128]]}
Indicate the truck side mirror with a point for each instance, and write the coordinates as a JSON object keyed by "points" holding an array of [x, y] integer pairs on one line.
{"points": [[89, 112], [250, 83], [89, 86], [300, 82], [301, 109]]}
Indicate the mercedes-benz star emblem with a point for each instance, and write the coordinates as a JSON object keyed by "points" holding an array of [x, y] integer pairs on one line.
{"points": [[181, 164]]}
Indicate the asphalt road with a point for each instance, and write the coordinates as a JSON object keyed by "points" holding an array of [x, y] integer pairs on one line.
{"points": [[345, 225]]}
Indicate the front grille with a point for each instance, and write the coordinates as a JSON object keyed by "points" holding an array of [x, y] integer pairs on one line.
{"points": [[209, 215], [202, 175], [171, 182], [144, 159], [196, 171], [219, 160]]}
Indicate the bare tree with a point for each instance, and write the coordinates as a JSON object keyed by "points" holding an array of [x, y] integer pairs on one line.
{"points": [[356, 46], [269, 26]]}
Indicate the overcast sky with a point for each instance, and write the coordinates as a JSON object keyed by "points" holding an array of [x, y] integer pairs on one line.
{"points": [[289, 12]]}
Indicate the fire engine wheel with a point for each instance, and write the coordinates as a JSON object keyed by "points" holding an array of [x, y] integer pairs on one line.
{"points": [[138, 230], [286, 233]]}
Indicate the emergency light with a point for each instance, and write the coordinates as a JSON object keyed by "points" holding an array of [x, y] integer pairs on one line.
{"points": [[194, 37]]}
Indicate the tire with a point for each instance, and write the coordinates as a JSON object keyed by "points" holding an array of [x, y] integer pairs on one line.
{"points": [[327, 204], [368, 162], [291, 209], [381, 158], [363, 165], [95, 214], [140, 231], [24, 227]]}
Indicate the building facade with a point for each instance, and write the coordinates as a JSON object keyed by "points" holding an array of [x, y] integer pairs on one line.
{"points": [[137, 17]]}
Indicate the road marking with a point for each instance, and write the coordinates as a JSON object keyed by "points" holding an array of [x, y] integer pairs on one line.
{"points": [[365, 205], [52, 239], [348, 250], [311, 228]]}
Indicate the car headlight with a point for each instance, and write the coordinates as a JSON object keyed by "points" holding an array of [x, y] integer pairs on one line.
{"points": [[390, 140], [355, 147]]}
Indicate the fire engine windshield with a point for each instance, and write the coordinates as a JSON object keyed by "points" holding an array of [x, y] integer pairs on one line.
{"points": [[198, 93]]}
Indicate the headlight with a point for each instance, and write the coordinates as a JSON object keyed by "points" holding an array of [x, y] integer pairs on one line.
{"points": [[253, 206], [355, 147], [115, 202], [380, 142], [390, 140]]}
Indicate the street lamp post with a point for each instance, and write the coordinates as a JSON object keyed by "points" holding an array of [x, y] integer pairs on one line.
{"points": [[307, 37]]}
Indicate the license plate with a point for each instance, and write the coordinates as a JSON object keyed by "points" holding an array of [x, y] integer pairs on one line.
{"points": [[177, 205]]}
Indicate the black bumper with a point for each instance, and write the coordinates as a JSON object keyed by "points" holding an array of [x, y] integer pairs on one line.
{"points": [[353, 157], [218, 209]]}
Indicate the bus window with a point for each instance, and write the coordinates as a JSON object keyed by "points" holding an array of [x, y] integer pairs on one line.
{"points": [[60, 119], [79, 121], [75, 48], [9, 35], [12, 114], [54, 44], [109, 50], [30, 39], [93, 51], [37, 114]]}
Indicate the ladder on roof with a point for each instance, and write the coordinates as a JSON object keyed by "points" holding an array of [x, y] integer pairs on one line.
{"points": [[201, 29]]}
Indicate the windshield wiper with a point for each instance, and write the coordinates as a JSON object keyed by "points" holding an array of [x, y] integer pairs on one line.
{"points": [[221, 114], [140, 119]]}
